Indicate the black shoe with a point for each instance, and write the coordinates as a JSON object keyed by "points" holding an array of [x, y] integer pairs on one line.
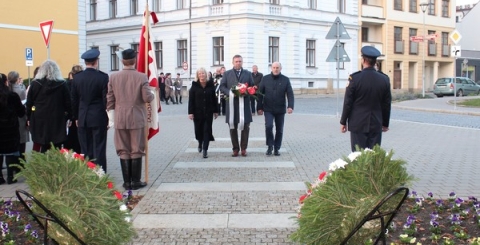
{"points": [[269, 151], [200, 147], [2, 181], [180, 102], [166, 102], [276, 153], [205, 155]]}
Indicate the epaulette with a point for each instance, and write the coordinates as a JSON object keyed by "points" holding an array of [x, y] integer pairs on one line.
{"points": [[350, 77]]}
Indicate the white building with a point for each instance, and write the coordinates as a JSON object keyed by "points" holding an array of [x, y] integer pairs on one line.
{"points": [[208, 33]]}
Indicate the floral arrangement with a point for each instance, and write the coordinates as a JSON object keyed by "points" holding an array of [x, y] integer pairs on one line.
{"points": [[242, 89], [341, 197], [81, 194]]}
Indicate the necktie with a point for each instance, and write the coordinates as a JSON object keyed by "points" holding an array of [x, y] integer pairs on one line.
{"points": [[238, 73]]}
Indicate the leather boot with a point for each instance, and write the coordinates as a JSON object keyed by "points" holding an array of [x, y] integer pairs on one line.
{"points": [[126, 172], [137, 174], [10, 169]]}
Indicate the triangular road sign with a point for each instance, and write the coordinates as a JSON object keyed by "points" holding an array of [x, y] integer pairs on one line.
{"points": [[337, 31], [342, 55], [46, 29]]}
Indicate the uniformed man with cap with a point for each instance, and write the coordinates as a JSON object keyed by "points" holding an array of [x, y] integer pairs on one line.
{"points": [[128, 91], [367, 103], [89, 90]]}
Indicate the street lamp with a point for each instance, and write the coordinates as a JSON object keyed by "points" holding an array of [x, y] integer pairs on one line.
{"points": [[424, 7]]}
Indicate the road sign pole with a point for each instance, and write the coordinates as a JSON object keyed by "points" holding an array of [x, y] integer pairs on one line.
{"points": [[48, 51], [338, 69], [455, 84]]}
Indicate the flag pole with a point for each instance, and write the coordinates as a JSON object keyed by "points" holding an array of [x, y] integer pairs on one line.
{"points": [[145, 56]]}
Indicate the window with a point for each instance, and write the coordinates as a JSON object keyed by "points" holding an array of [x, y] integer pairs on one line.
{"points": [[432, 46], [275, 2], [134, 46], [98, 64], [93, 9], [113, 8], [431, 7], [365, 2], [181, 4], [159, 54], [181, 52], [445, 8], [217, 2], [364, 34], [218, 51], [114, 62], [397, 34], [156, 5], [413, 6], [133, 7], [413, 45], [312, 4], [397, 5], [273, 49], [341, 6], [310, 53], [445, 46]]}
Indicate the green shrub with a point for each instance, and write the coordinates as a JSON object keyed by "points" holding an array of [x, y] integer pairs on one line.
{"points": [[83, 199], [350, 189]]}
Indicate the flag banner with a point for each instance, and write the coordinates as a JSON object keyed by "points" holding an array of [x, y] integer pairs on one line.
{"points": [[147, 64]]}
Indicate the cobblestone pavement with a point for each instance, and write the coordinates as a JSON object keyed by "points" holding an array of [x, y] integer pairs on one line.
{"points": [[438, 144]]}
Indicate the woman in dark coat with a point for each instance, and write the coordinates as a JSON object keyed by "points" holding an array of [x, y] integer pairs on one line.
{"points": [[72, 142], [48, 106], [11, 108], [202, 108]]}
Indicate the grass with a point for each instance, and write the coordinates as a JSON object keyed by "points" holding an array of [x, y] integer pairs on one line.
{"points": [[403, 96], [470, 102]]}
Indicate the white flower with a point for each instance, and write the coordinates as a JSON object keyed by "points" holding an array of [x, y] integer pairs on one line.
{"points": [[339, 163], [413, 240], [352, 156], [123, 207], [367, 149], [128, 219]]}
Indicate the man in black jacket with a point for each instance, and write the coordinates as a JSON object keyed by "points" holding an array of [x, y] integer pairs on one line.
{"points": [[274, 88], [367, 103]]}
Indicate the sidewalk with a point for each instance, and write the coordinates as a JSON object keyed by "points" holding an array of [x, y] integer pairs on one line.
{"points": [[443, 105]]}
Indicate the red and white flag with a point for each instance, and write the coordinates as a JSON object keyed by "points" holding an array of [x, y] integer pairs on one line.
{"points": [[147, 64]]}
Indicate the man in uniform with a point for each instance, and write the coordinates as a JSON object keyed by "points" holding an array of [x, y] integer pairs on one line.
{"points": [[89, 90], [128, 91], [257, 78], [367, 103]]}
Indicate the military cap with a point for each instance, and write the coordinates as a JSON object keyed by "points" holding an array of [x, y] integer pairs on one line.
{"points": [[370, 51], [91, 55], [128, 54]]}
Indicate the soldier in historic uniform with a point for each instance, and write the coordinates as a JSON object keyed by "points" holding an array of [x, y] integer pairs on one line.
{"points": [[89, 91], [367, 103], [128, 91]]}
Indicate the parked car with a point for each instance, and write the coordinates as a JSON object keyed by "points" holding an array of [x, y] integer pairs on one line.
{"points": [[464, 86]]}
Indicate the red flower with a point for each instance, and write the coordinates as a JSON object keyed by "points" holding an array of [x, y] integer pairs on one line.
{"points": [[78, 156], [302, 198], [110, 185], [242, 90], [251, 90], [91, 165], [118, 195], [64, 150], [322, 175]]}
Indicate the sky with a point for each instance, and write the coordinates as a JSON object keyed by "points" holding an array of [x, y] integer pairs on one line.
{"points": [[463, 2]]}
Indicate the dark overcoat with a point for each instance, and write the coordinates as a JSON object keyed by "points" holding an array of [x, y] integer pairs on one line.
{"points": [[202, 103], [275, 90], [9, 114], [229, 80]]}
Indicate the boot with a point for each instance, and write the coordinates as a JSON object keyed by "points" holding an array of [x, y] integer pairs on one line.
{"points": [[126, 172], [176, 99], [10, 169], [137, 174], [180, 99]]}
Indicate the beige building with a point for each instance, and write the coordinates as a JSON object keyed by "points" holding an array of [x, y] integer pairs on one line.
{"points": [[389, 26], [19, 29]]}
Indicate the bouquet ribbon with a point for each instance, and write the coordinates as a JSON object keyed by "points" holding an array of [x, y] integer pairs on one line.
{"points": [[231, 114]]}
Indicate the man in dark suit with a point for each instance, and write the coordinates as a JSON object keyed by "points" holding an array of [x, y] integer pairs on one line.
{"points": [[89, 90], [367, 103], [236, 118], [257, 78]]}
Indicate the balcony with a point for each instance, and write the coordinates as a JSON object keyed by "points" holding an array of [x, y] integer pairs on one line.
{"points": [[445, 50], [399, 46], [275, 10], [432, 49], [371, 11], [413, 48], [376, 45], [216, 10]]}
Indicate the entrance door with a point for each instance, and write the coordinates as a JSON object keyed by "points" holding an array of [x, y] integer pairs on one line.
{"points": [[397, 79]]}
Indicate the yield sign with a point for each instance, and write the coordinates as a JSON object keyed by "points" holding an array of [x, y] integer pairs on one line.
{"points": [[46, 29], [342, 55], [337, 31]]}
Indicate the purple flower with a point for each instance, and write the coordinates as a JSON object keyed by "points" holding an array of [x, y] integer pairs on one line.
{"points": [[455, 219], [434, 223], [411, 218], [466, 211], [452, 195], [430, 194], [8, 204], [458, 201], [34, 234], [419, 201], [439, 203], [413, 194], [434, 215], [472, 198], [27, 227]]}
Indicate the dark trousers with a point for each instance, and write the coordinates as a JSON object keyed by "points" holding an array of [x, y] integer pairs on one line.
{"points": [[203, 132], [72, 139], [244, 137], [279, 119], [93, 141], [252, 104], [222, 106], [365, 140], [162, 91]]}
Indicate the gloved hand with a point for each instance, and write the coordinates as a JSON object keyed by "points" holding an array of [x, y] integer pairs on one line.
{"points": [[111, 118]]}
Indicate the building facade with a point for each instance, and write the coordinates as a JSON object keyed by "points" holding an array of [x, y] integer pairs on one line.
{"points": [[396, 26], [19, 29], [468, 64], [208, 33]]}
